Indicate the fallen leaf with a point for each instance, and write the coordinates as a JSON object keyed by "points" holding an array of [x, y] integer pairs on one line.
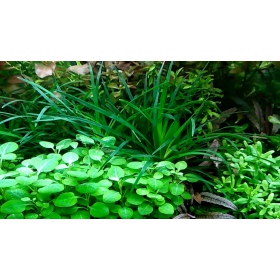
{"points": [[2, 64], [197, 197], [79, 69], [43, 71]]}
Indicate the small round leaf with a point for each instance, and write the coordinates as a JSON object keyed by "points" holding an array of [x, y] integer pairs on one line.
{"points": [[145, 209], [99, 210], [111, 196], [166, 208], [125, 213], [65, 200], [13, 206]]}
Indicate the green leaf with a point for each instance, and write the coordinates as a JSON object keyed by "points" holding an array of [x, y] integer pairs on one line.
{"points": [[109, 140], [31, 216], [186, 195], [176, 189], [105, 183], [53, 188], [114, 208], [100, 191], [145, 209], [118, 160], [16, 216], [25, 171], [78, 174], [273, 120], [111, 196], [135, 199], [167, 164], [13, 206], [44, 165], [7, 148], [177, 200], [82, 214], [95, 172], [16, 193], [181, 165], [26, 181], [89, 187], [46, 144], [166, 208], [125, 213], [63, 144], [65, 200], [136, 164], [6, 183], [142, 191], [9, 156], [154, 183], [53, 215], [85, 139], [70, 157], [158, 175], [47, 211], [155, 196], [96, 154], [193, 178], [42, 182], [99, 210], [57, 157], [115, 173]]}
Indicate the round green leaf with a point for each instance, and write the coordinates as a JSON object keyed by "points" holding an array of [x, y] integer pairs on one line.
{"points": [[96, 154], [65, 200], [31, 216], [145, 209], [78, 174], [15, 194], [155, 196], [166, 208], [70, 182], [181, 165], [57, 157], [176, 188], [15, 216], [114, 208], [25, 171], [13, 206], [118, 160], [46, 144], [10, 156], [154, 183], [47, 211], [6, 183], [177, 200], [85, 139], [193, 178], [7, 148], [142, 191], [158, 175], [99, 210], [63, 144], [26, 181], [53, 188], [70, 157], [111, 196], [136, 164], [82, 214], [186, 195], [105, 183], [125, 213], [109, 140], [135, 199], [53, 215], [94, 172], [115, 173], [89, 187], [44, 165]]}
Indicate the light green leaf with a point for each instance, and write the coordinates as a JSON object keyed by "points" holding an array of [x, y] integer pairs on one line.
{"points": [[115, 173], [69, 181], [136, 164], [105, 183], [155, 196], [273, 120], [85, 139], [145, 209], [16, 193], [42, 182], [166, 208], [186, 195], [65, 200], [176, 189], [16, 216], [142, 191], [7, 148], [13, 206], [53, 188], [96, 154], [125, 213], [9, 156], [95, 173], [167, 164], [31, 216], [82, 214], [111, 196], [99, 210], [57, 157], [9, 174], [181, 165], [193, 178], [110, 140], [118, 160], [26, 181], [44, 165], [78, 174], [100, 191], [64, 144], [25, 171], [158, 175], [46, 144], [89, 187], [70, 157], [6, 183], [135, 199], [61, 166], [155, 184]]}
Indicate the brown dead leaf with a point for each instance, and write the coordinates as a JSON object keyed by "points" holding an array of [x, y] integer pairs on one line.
{"points": [[197, 197], [2, 64], [43, 71], [79, 69], [15, 80]]}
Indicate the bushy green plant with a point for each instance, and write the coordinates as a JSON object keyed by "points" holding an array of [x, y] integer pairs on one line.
{"points": [[253, 184], [92, 180]]}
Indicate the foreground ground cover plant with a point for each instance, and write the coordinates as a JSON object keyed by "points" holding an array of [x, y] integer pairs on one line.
{"points": [[253, 183], [85, 179]]}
